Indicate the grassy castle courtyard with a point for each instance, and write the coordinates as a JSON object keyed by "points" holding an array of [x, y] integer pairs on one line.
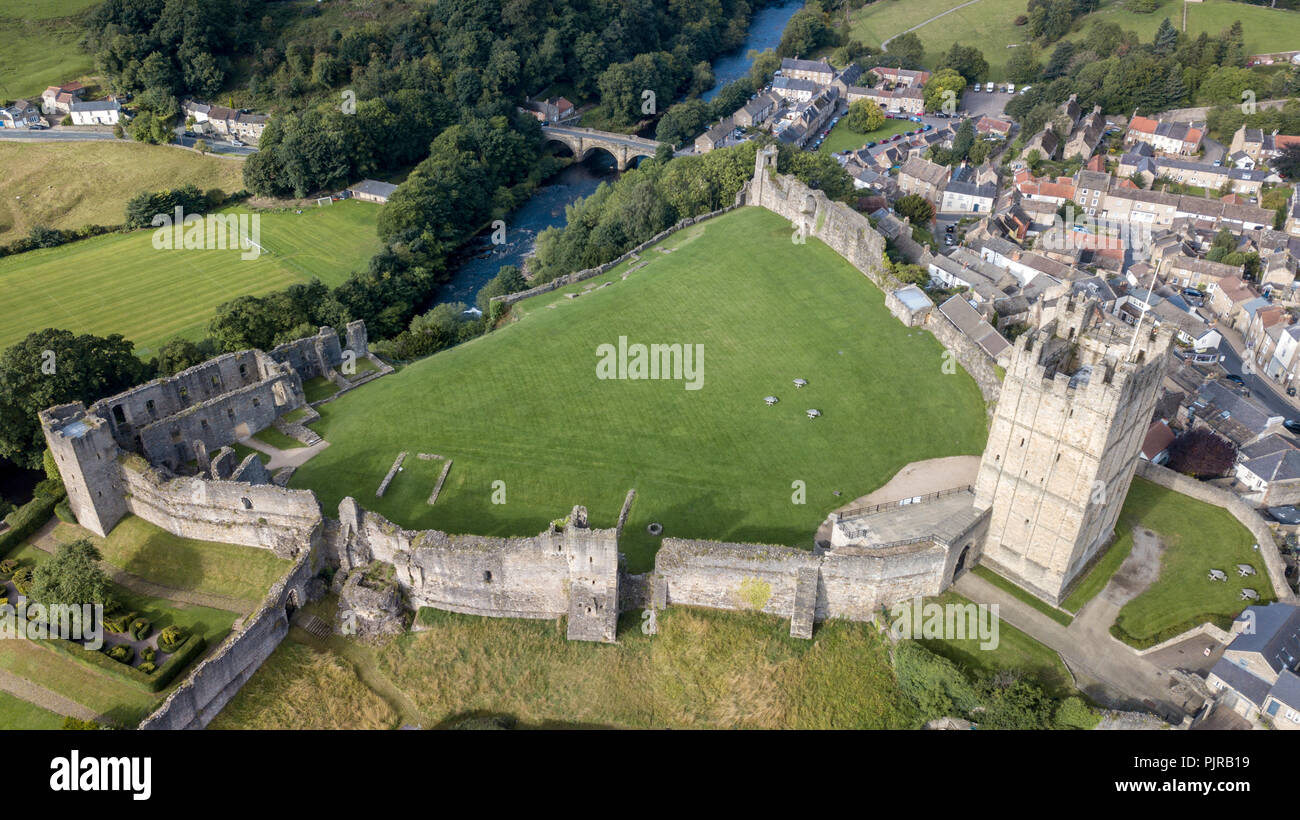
{"points": [[524, 405]]}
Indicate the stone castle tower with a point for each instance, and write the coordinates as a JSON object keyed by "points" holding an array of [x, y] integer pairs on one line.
{"points": [[1076, 403]]}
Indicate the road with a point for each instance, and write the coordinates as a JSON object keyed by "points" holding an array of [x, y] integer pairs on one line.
{"points": [[57, 134], [1263, 390]]}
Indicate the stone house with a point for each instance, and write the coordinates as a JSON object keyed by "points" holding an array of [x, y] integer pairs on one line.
{"points": [[99, 112], [1256, 675], [816, 71], [757, 111], [924, 178], [19, 115], [1179, 138], [715, 137], [57, 100]]}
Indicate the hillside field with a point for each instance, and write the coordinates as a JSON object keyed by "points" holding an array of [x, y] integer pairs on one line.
{"points": [[119, 283], [990, 25], [69, 185], [41, 38], [524, 405]]}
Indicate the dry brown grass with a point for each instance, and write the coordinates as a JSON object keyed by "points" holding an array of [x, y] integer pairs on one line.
{"points": [[73, 184], [300, 688]]}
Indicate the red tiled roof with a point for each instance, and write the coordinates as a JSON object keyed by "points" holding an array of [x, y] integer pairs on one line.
{"points": [[1144, 124]]}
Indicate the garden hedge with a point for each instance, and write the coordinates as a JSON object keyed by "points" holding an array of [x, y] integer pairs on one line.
{"points": [[154, 682], [27, 519]]}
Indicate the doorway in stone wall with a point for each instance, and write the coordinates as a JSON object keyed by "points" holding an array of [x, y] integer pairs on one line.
{"points": [[961, 563], [291, 604]]}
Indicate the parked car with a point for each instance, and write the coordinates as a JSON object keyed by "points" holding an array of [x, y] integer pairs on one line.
{"points": [[237, 143], [871, 145], [1235, 379], [1292, 424], [1286, 515], [1011, 88], [1290, 391], [990, 88], [950, 228]]}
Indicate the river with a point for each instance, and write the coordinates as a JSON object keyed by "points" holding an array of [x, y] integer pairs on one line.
{"points": [[480, 259]]}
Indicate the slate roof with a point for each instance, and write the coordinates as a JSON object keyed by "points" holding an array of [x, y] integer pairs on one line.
{"points": [[1276, 635], [1243, 683]]}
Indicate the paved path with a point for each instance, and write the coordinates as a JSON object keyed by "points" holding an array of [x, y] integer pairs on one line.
{"points": [[917, 478], [44, 540], [885, 45], [293, 457], [1108, 671], [40, 696]]}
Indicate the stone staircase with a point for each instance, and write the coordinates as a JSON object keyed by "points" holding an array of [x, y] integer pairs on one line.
{"points": [[805, 603], [312, 625]]}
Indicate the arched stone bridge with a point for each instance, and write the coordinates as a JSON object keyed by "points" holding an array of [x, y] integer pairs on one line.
{"points": [[582, 141]]}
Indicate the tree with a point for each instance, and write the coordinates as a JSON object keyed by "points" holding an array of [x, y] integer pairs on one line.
{"points": [[508, 280], [178, 354], [72, 577], [865, 116], [916, 208], [201, 146], [1166, 39], [904, 51], [1024, 67], [52, 367], [967, 61], [1288, 164], [945, 86], [1200, 453]]}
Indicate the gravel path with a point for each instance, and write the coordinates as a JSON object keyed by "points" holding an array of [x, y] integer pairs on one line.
{"points": [[32, 693]]}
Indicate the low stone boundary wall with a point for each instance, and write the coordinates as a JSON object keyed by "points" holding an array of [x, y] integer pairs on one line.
{"points": [[211, 685], [590, 273], [1207, 629], [1243, 512]]}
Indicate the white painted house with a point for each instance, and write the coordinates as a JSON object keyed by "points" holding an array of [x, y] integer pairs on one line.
{"points": [[99, 112]]}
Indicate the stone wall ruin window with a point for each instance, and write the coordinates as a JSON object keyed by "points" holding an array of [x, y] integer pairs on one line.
{"points": [[119, 417], [248, 505], [151, 408], [487, 576], [243, 371]]}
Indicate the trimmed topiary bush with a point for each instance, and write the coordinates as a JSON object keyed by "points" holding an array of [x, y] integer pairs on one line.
{"points": [[147, 654], [140, 628], [122, 653], [170, 639], [7, 568], [119, 622], [22, 580], [147, 667]]}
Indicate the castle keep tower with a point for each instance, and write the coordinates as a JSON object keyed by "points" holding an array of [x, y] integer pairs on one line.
{"points": [[1076, 403]]}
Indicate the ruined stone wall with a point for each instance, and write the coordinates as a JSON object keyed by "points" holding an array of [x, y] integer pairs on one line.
{"points": [[853, 585], [230, 512], [218, 422], [973, 358], [570, 570], [210, 685]]}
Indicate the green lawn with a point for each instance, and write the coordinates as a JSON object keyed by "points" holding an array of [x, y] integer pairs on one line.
{"points": [[988, 25], [41, 38], [1266, 30], [1015, 650], [842, 138], [317, 388], [1003, 584], [156, 555], [16, 713], [274, 438], [1199, 537], [119, 283], [524, 405]]}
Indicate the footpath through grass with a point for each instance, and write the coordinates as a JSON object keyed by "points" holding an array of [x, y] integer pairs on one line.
{"points": [[1198, 537], [525, 405]]}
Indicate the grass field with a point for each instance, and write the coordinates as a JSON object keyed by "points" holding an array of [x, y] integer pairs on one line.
{"points": [[842, 138], [1062, 618], [41, 48], [1266, 30], [703, 670], [119, 283], [1199, 537], [16, 713], [990, 25], [524, 405], [1015, 650], [69, 185], [151, 552]]}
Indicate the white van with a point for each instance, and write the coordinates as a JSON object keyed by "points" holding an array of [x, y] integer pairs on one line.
{"points": [[990, 87], [1011, 88]]}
